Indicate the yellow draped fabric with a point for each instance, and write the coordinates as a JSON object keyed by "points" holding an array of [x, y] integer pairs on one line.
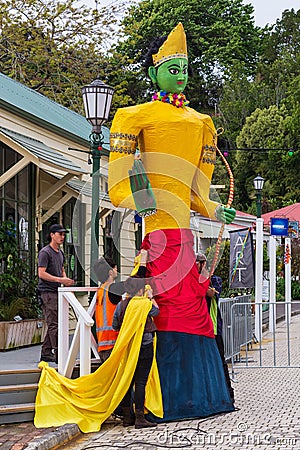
{"points": [[90, 399], [137, 263], [178, 150]]}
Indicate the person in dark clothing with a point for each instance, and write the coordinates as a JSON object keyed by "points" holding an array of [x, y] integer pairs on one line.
{"points": [[212, 298], [51, 275], [105, 270], [134, 287]]}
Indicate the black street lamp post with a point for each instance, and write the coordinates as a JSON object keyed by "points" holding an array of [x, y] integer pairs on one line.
{"points": [[259, 242], [258, 186], [97, 98]]}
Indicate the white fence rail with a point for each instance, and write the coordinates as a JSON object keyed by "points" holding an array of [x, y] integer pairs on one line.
{"points": [[83, 340]]}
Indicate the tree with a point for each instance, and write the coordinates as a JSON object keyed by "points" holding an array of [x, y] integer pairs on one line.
{"points": [[218, 34], [241, 96], [266, 130], [273, 82], [54, 47], [279, 61]]}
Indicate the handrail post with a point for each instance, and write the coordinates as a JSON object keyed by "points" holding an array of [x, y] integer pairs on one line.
{"points": [[63, 330], [85, 348], [82, 339]]}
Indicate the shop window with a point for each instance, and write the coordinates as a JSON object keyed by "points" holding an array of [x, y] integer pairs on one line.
{"points": [[8, 158], [17, 204], [74, 222]]}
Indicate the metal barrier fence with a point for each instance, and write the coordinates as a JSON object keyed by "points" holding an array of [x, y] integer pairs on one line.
{"points": [[237, 324], [276, 346]]}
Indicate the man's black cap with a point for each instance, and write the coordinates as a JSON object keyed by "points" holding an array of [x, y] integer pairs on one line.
{"points": [[57, 228]]}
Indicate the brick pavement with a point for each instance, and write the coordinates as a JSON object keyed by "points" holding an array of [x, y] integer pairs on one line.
{"points": [[17, 436], [267, 416], [267, 419], [25, 435]]}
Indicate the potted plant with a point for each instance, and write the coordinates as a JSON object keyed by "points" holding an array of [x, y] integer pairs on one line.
{"points": [[20, 314]]}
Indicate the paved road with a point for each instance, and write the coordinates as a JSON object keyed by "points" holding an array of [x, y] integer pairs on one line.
{"points": [[267, 415]]}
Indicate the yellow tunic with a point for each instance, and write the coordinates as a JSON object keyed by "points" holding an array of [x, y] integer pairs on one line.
{"points": [[177, 146]]}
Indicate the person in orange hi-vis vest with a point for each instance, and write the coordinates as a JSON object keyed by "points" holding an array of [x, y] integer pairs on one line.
{"points": [[106, 271]]}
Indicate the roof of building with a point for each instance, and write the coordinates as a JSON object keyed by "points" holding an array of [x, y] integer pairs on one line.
{"points": [[243, 214], [43, 152], [210, 229], [39, 109], [85, 188], [291, 212]]}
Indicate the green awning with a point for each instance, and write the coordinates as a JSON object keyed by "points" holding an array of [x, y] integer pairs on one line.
{"points": [[85, 188], [43, 152]]}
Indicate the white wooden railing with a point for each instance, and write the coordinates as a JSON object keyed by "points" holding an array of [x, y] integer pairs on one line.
{"points": [[83, 340]]}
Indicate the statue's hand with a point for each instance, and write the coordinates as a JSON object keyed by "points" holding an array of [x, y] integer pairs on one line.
{"points": [[141, 189], [225, 215]]}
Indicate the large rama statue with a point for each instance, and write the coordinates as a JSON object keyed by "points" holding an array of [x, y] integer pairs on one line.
{"points": [[177, 147]]}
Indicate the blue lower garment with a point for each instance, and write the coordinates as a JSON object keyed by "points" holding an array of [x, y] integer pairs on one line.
{"points": [[192, 377]]}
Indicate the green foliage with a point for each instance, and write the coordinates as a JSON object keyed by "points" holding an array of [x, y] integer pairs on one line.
{"points": [[222, 266], [54, 47], [263, 112], [280, 56], [295, 290], [280, 289], [23, 307], [17, 290], [218, 33], [264, 129]]}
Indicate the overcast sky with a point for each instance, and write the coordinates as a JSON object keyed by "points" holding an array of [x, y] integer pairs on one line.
{"points": [[266, 11]]}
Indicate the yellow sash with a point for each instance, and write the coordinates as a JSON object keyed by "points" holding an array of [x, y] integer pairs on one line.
{"points": [[89, 400]]}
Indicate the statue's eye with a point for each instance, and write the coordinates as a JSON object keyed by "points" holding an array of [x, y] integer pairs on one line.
{"points": [[174, 71], [184, 71]]}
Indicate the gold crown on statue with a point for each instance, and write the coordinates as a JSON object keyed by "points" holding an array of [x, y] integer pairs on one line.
{"points": [[173, 47]]}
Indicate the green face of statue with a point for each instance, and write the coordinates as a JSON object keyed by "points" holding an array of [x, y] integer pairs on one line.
{"points": [[171, 76]]}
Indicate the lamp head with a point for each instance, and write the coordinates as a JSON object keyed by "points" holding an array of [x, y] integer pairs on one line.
{"points": [[97, 98], [258, 183]]}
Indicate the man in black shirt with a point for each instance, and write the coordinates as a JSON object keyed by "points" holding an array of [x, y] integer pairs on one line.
{"points": [[52, 275]]}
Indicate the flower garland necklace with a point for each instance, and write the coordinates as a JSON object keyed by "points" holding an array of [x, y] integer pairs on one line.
{"points": [[178, 100]]}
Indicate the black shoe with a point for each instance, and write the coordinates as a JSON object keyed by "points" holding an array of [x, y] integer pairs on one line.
{"points": [[48, 358]]}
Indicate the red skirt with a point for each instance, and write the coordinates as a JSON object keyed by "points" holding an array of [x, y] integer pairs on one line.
{"points": [[175, 281]]}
